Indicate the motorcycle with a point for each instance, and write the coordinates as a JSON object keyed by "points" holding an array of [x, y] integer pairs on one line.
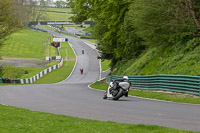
{"points": [[115, 92]]}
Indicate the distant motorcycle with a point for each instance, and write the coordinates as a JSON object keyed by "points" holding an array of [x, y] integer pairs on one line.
{"points": [[118, 88]]}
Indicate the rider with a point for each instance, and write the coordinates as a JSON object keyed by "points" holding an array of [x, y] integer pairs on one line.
{"points": [[117, 81]]}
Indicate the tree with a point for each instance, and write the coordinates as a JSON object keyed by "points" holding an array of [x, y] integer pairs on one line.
{"points": [[109, 18], [29, 10], [9, 22], [125, 28], [60, 4], [163, 22]]}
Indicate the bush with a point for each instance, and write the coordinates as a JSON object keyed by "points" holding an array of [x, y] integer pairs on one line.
{"points": [[11, 72]]}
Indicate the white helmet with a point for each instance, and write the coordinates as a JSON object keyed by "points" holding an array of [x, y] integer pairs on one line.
{"points": [[125, 77]]}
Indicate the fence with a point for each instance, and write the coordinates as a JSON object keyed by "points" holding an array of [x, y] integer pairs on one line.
{"points": [[173, 83]]}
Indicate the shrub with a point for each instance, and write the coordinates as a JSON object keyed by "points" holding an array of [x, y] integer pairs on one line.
{"points": [[11, 72]]}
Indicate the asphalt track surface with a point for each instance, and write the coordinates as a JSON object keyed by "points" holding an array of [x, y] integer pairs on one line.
{"points": [[73, 97]]}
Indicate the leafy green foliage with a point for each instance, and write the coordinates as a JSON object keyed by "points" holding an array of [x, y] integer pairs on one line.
{"points": [[11, 72], [177, 59], [9, 22], [130, 29]]}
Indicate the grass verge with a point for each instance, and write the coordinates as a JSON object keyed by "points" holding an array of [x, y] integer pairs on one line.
{"points": [[63, 72], [105, 65], [58, 74], [19, 120], [174, 97]]}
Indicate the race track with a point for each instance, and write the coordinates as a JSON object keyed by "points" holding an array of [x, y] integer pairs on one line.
{"points": [[73, 97]]}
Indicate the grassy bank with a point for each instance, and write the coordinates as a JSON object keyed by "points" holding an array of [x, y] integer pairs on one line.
{"points": [[175, 59], [174, 97], [57, 14], [53, 16], [19, 120], [25, 44]]}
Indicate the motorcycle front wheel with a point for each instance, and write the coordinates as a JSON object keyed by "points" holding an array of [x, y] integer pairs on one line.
{"points": [[119, 94]]}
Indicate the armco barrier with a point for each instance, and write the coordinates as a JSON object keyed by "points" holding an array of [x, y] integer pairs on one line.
{"points": [[174, 83]]}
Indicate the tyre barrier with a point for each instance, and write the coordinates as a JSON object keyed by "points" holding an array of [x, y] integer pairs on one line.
{"points": [[41, 74], [34, 78]]}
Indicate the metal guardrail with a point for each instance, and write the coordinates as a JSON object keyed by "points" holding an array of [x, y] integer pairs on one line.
{"points": [[173, 83]]}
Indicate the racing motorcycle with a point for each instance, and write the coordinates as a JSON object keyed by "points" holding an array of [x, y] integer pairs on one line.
{"points": [[117, 90]]}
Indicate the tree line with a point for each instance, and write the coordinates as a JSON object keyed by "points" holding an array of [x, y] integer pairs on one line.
{"points": [[126, 28], [15, 14]]}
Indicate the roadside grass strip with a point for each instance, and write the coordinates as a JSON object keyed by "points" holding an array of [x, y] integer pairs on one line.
{"points": [[91, 40], [63, 72], [17, 120], [173, 97], [25, 44], [105, 64], [58, 74]]}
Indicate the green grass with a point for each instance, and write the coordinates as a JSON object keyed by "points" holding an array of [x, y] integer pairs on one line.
{"points": [[91, 40], [53, 16], [31, 72], [52, 50], [174, 97], [21, 72], [25, 44], [66, 50], [63, 72], [105, 65], [181, 59], [58, 74], [17, 120], [58, 9]]}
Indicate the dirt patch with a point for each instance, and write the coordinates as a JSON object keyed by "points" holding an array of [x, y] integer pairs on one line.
{"points": [[69, 59], [23, 62]]}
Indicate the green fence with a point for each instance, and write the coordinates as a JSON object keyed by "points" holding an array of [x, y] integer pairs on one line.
{"points": [[174, 83]]}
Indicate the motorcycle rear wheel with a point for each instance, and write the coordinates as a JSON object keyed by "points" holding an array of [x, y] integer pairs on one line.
{"points": [[119, 94]]}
